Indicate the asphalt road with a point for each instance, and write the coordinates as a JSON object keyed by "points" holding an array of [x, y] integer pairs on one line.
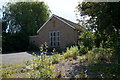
{"points": [[16, 58]]}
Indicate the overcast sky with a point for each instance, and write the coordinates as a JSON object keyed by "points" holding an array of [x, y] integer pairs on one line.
{"points": [[63, 8]]}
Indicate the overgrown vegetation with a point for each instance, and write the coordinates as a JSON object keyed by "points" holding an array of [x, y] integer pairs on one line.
{"points": [[97, 55], [99, 62], [71, 52], [102, 20], [41, 67], [8, 70], [98, 46]]}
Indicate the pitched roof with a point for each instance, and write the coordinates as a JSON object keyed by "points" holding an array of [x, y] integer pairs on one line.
{"points": [[70, 23]]}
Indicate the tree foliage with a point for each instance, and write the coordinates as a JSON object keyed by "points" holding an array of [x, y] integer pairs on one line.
{"points": [[103, 16], [22, 19], [103, 19], [26, 17], [87, 38]]}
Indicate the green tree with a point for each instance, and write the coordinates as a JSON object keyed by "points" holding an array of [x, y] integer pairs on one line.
{"points": [[103, 19], [20, 20], [26, 17], [87, 38]]}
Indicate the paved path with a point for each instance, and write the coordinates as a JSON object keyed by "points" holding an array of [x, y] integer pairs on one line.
{"points": [[15, 58]]}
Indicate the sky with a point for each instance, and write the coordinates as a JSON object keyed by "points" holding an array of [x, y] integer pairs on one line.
{"points": [[62, 8]]}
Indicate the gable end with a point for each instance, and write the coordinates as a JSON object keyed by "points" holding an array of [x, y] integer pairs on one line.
{"points": [[45, 24], [58, 19]]}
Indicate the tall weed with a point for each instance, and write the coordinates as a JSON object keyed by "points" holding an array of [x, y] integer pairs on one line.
{"points": [[71, 52], [42, 66]]}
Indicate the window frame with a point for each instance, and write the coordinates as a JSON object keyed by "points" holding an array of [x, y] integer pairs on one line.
{"points": [[54, 38]]}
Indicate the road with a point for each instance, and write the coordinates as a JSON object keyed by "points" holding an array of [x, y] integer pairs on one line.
{"points": [[16, 58]]}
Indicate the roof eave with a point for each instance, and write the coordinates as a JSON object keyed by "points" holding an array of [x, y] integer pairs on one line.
{"points": [[44, 24], [64, 22], [58, 19]]}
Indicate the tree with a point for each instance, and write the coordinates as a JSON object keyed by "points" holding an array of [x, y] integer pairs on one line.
{"points": [[103, 19], [26, 17], [20, 20]]}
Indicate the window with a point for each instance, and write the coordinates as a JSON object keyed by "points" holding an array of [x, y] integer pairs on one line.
{"points": [[54, 38]]}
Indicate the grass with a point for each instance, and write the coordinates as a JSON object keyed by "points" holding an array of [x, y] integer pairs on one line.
{"points": [[6, 73], [8, 70]]}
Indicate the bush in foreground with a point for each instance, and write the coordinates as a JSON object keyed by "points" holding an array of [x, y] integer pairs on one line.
{"points": [[71, 52]]}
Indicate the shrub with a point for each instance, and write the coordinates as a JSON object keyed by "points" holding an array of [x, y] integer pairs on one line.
{"points": [[98, 50], [103, 54], [56, 58], [87, 38], [83, 49], [101, 67], [71, 52], [41, 67], [32, 47], [97, 55]]}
